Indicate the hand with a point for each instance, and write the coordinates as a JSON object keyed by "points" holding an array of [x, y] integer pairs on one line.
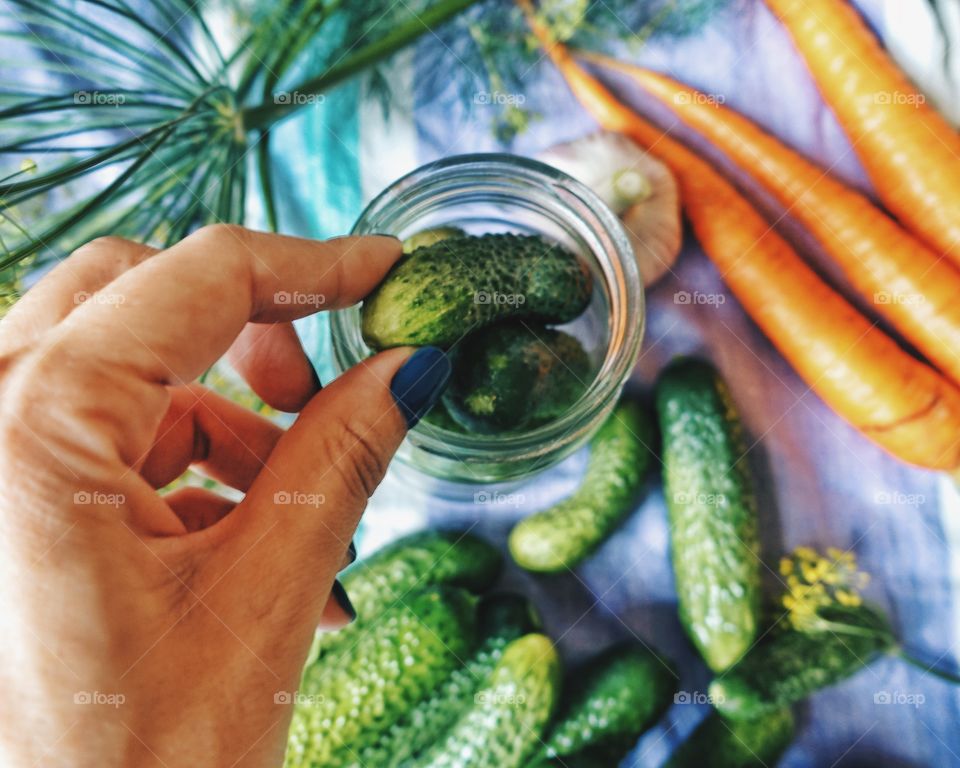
{"points": [[164, 630]]}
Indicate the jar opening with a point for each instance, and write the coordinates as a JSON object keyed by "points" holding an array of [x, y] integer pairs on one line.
{"points": [[485, 193]]}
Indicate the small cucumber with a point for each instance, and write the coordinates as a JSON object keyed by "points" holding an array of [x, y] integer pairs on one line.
{"points": [[611, 701], [502, 619], [430, 236], [345, 705], [789, 665], [441, 292], [439, 416], [514, 375], [560, 537], [504, 726], [712, 512], [418, 560], [722, 743]]}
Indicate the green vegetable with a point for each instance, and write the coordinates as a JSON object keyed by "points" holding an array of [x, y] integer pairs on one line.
{"points": [[722, 743], [563, 535], [441, 292], [430, 236], [439, 416], [712, 512], [514, 375], [611, 701], [503, 727], [418, 560], [344, 705], [502, 619], [788, 666]]}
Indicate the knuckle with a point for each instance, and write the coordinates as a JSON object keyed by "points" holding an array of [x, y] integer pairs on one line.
{"points": [[356, 457], [218, 234], [100, 245]]}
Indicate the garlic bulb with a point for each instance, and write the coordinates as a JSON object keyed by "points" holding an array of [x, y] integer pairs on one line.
{"points": [[637, 187]]}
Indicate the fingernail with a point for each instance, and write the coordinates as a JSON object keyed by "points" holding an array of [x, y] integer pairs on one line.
{"points": [[352, 552], [340, 595], [419, 382]]}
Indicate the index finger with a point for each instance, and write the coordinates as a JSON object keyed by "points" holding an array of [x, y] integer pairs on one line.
{"points": [[181, 310]]}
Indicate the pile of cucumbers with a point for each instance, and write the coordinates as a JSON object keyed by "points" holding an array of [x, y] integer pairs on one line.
{"points": [[490, 301], [761, 668], [440, 671]]}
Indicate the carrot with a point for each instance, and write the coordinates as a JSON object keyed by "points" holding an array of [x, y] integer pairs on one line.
{"points": [[910, 152], [898, 402], [909, 284]]}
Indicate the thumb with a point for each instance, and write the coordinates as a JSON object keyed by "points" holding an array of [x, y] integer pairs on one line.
{"points": [[301, 512]]}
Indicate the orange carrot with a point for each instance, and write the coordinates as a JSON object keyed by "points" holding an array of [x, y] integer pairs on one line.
{"points": [[911, 286], [893, 399], [909, 150]]}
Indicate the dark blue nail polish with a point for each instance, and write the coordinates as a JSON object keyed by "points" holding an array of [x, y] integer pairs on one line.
{"points": [[419, 382], [352, 552], [339, 594]]}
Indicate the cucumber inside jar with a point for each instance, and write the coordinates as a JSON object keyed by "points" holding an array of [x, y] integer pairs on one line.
{"points": [[490, 301]]}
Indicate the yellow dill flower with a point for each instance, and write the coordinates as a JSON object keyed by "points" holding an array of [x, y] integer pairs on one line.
{"points": [[815, 581]]}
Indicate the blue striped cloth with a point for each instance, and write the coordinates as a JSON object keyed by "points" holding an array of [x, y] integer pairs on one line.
{"points": [[821, 484]]}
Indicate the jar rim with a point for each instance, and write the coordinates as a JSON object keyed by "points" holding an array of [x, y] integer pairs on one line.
{"points": [[626, 324]]}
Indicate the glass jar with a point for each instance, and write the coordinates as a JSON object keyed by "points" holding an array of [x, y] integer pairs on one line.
{"points": [[483, 193]]}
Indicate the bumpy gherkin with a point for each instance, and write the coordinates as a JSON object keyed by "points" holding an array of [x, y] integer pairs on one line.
{"points": [[441, 292], [712, 512], [414, 646]]}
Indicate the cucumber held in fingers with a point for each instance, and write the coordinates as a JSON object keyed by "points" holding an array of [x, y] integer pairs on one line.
{"points": [[345, 703], [441, 292], [712, 512], [789, 665], [504, 726], [513, 375], [611, 701], [722, 743], [562, 536], [430, 236]]}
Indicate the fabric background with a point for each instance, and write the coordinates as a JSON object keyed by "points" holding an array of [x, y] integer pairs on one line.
{"points": [[820, 483]]}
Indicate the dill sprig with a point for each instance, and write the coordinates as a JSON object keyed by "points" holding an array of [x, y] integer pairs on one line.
{"points": [[137, 120], [137, 123], [815, 582]]}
